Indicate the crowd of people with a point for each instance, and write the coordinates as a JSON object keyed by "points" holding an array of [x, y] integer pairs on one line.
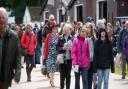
{"points": [[87, 48]]}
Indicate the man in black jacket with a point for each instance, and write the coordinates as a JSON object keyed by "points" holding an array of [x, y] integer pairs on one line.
{"points": [[10, 62]]}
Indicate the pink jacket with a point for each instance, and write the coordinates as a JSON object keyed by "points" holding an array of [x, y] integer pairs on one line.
{"points": [[80, 52]]}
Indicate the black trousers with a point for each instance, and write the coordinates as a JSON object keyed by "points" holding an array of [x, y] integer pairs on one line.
{"points": [[90, 76], [65, 74]]}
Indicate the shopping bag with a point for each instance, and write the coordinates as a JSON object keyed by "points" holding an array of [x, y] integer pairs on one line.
{"points": [[44, 70], [24, 51], [118, 60], [60, 59]]}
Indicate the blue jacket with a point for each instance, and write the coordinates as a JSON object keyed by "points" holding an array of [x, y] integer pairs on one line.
{"points": [[122, 34]]}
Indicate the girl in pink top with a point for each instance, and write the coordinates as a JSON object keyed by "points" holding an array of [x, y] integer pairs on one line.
{"points": [[81, 58]]}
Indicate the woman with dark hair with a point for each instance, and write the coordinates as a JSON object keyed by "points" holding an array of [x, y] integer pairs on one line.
{"points": [[103, 58], [91, 40], [50, 52]]}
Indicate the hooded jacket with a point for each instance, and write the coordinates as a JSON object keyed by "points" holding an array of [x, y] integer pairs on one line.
{"points": [[80, 52]]}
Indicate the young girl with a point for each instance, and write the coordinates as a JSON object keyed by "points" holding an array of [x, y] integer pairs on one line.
{"points": [[81, 58], [91, 40]]}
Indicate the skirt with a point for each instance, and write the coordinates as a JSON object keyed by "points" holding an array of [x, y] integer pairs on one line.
{"points": [[30, 59]]}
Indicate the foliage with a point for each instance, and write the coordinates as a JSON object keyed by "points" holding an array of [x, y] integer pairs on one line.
{"points": [[118, 70], [18, 6]]}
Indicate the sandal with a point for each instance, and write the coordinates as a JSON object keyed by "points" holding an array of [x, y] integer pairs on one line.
{"points": [[52, 84]]}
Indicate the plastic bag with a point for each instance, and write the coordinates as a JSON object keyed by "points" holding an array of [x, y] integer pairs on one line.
{"points": [[60, 59]]}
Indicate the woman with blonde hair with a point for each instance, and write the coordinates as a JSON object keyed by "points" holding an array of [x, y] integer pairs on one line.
{"points": [[29, 43], [64, 47]]}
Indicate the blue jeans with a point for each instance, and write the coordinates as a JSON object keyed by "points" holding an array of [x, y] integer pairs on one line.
{"points": [[84, 73], [103, 74]]}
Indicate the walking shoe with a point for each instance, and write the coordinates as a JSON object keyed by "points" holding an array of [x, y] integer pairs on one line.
{"points": [[52, 84], [22, 66], [123, 77], [95, 86], [29, 79]]}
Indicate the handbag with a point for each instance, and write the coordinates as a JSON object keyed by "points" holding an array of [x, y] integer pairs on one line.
{"points": [[60, 59], [24, 51], [44, 70], [118, 60]]}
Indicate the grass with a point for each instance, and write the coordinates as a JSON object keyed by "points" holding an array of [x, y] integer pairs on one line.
{"points": [[118, 71]]}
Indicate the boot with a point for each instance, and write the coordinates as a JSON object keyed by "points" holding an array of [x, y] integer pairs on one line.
{"points": [[29, 77], [28, 73]]}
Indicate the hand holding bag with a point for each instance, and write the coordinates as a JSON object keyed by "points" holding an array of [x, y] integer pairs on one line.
{"points": [[24, 51], [44, 70]]}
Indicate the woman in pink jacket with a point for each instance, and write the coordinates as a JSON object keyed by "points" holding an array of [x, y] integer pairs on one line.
{"points": [[81, 58]]}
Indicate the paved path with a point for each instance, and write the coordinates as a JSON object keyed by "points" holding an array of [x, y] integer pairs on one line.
{"points": [[41, 82]]}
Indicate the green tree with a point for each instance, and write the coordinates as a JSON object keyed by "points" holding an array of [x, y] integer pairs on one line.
{"points": [[18, 7]]}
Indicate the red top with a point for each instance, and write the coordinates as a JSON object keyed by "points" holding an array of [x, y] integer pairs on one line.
{"points": [[29, 41], [46, 45]]}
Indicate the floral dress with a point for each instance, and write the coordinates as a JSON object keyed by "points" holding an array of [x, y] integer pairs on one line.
{"points": [[52, 55]]}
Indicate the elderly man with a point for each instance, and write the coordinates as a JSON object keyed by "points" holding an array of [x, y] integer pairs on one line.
{"points": [[100, 24], [10, 63]]}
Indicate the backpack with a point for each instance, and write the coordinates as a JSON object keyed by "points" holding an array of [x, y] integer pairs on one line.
{"points": [[125, 45]]}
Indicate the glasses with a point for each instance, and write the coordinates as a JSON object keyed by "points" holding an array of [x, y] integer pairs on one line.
{"points": [[87, 27], [52, 19], [2, 17]]}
